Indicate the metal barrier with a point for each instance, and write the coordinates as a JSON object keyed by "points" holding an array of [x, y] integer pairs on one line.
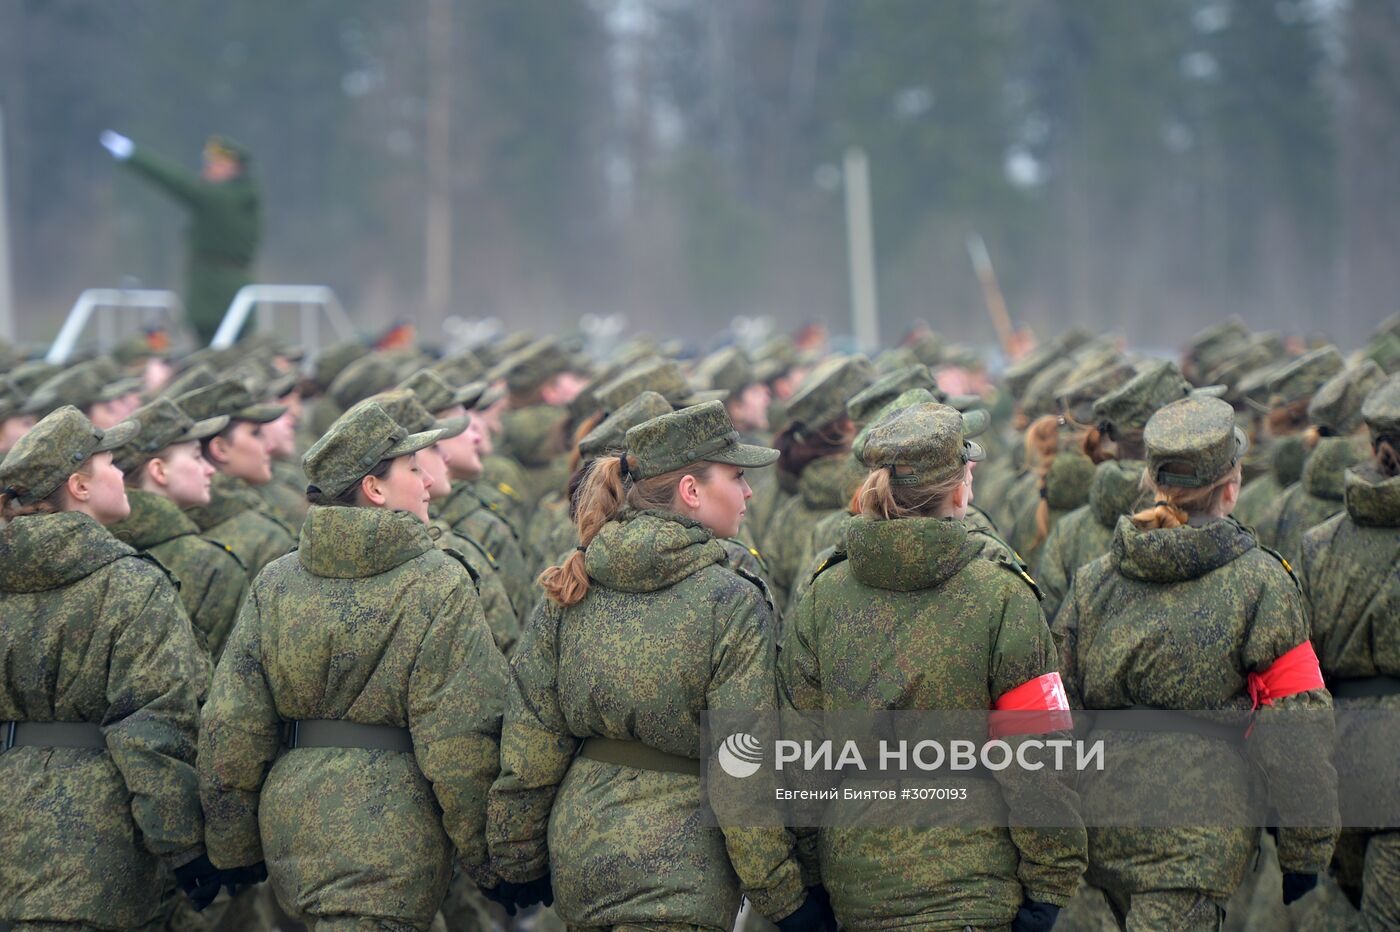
{"points": [[117, 299], [306, 298]]}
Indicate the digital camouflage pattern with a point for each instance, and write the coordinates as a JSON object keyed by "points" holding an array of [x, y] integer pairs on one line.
{"points": [[285, 496], [1316, 497], [468, 513], [1286, 456], [1176, 619], [1337, 405], [358, 441], [230, 397], [1193, 442], [1302, 377], [823, 489], [665, 632], [1086, 533], [501, 482], [914, 619], [533, 437], [529, 367], [93, 632], [44, 458], [822, 396], [1065, 488], [367, 622], [1127, 408], [212, 580], [161, 425], [496, 606], [662, 376], [1347, 571], [235, 517], [693, 434], [930, 441], [867, 405]]}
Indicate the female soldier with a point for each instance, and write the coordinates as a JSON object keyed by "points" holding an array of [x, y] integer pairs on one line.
{"points": [[165, 471], [910, 617], [1348, 572], [98, 697], [644, 630], [370, 644], [1187, 612]]}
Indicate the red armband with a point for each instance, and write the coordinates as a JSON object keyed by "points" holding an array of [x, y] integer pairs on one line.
{"points": [[1295, 672], [1033, 708]]}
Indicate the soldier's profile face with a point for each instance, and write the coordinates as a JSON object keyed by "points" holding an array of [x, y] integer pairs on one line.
{"points": [[244, 454], [406, 487], [723, 496], [107, 501], [220, 168], [187, 474]]}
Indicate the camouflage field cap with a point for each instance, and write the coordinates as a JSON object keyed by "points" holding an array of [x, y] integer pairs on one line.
{"points": [[1092, 379], [928, 442], [195, 377], [359, 440], [435, 394], [906, 398], [9, 399], [700, 433], [527, 369], [231, 397], [1336, 408], [79, 386], [44, 458], [1193, 442], [1304, 376], [662, 376], [585, 404], [28, 376], [1215, 343], [1384, 350], [332, 360], [822, 396], [868, 402], [1381, 409], [1041, 396], [460, 368], [928, 347], [1128, 407], [892, 360], [611, 433], [1018, 375], [408, 412], [728, 370], [364, 377], [161, 424]]}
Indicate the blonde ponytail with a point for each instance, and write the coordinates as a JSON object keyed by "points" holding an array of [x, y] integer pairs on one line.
{"points": [[1173, 505]]}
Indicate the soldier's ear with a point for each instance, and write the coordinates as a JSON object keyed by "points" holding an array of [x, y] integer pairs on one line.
{"points": [[155, 468], [688, 491], [372, 489]]}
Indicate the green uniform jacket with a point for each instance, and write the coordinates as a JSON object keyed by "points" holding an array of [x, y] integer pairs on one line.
{"points": [[285, 496], [468, 513], [821, 491], [212, 580], [93, 632], [503, 480], [1086, 533], [914, 618], [235, 516], [665, 632], [496, 606], [1286, 456], [225, 229], [533, 437], [1066, 488], [367, 622], [1176, 619], [1310, 501]]}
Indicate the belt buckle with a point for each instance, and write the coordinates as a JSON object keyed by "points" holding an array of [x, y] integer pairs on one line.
{"points": [[7, 741], [290, 733]]}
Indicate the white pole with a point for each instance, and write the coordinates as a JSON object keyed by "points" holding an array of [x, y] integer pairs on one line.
{"points": [[860, 247], [7, 295]]}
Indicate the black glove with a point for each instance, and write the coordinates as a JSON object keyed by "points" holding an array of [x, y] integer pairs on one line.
{"points": [[513, 896], [1035, 917], [241, 878], [1295, 885], [814, 915], [200, 881]]}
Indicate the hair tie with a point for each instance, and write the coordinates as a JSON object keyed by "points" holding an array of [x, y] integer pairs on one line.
{"points": [[1162, 504], [1044, 492], [312, 490], [622, 465], [581, 548]]}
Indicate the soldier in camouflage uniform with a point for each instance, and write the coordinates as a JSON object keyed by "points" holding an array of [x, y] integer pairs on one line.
{"points": [[910, 617], [1187, 612], [1087, 532], [94, 389], [370, 642], [320, 408], [98, 698], [1348, 573], [816, 446], [541, 380], [235, 515], [285, 495], [599, 787], [1333, 448], [1290, 388], [165, 472], [14, 424]]}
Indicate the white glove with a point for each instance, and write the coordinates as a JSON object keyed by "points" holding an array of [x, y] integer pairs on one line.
{"points": [[117, 144]]}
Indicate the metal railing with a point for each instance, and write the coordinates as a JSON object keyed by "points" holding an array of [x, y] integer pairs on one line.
{"points": [[109, 299], [307, 299]]}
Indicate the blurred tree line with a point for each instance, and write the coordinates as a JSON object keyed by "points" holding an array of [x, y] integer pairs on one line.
{"points": [[1139, 167]]}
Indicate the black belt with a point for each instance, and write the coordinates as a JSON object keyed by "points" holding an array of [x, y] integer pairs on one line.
{"points": [[1146, 718], [638, 755], [1365, 687], [51, 735], [333, 733]]}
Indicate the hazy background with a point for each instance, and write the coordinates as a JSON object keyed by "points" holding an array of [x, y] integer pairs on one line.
{"points": [[1142, 167]]}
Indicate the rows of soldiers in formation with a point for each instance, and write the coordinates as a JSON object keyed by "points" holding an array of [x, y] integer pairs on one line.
{"points": [[424, 639]]}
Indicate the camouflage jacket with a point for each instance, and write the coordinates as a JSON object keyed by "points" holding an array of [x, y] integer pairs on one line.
{"points": [[93, 632], [285, 496], [821, 491], [236, 516], [1286, 456], [496, 606], [503, 480], [468, 513], [367, 622], [664, 633], [915, 618], [1177, 619], [1313, 499], [1066, 488], [1086, 533], [212, 580], [534, 438]]}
